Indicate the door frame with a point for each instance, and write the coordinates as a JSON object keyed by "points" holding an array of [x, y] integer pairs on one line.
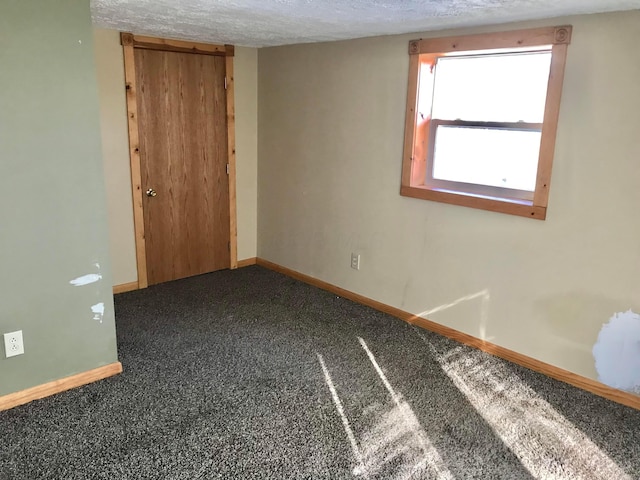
{"points": [[129, 43]]}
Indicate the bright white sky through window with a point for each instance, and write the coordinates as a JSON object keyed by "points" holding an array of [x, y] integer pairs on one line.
{"points": [[489, 88]]}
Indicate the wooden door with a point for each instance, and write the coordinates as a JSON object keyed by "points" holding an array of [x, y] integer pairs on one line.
{"points": [[183, 159]]}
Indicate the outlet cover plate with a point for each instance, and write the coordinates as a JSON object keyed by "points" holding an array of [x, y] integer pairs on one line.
{"points": [[13, 344]]}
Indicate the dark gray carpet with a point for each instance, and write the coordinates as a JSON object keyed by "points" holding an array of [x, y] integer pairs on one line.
{"points": [[251, 375]]}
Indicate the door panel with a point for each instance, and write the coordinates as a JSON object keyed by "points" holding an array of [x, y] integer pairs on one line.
{"points": [[183, 155]]}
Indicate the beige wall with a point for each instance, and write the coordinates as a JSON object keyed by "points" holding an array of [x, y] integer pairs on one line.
{"points": [[115, 151], [110, 73], [331, 122], [246, 85]]}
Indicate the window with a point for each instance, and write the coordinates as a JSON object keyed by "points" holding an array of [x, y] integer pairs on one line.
{"points": [[482, 112]]}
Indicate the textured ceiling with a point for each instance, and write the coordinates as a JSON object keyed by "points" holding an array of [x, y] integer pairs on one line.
{"points": [[261, 23]]}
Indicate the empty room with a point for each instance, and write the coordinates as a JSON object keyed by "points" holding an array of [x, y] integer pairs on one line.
{"points": [[304, 239]]}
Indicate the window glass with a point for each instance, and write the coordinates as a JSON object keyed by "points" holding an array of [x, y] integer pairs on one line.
{"points": [[502, 87], [493, 157]]}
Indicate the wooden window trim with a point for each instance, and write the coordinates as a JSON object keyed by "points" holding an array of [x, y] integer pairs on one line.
{"points": [[129, 42], [423, 55]]}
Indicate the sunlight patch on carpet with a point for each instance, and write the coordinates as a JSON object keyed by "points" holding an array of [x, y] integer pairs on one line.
{"points": [[360, 468], [546, 443], [401, 429], [394, 445]]}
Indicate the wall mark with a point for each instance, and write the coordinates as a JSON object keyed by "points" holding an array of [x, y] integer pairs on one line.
{"points": [[98, 311], [86, 279], [617, 352]]}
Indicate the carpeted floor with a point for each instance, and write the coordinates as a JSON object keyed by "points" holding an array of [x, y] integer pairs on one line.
{"points": [[252, 375]]}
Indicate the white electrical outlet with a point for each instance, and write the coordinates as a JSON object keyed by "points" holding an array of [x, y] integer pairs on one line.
{"points": [[355, 261], [13, 344]]}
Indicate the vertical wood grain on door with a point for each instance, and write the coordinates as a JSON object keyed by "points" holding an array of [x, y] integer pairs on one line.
{"points": [[183, 154]]}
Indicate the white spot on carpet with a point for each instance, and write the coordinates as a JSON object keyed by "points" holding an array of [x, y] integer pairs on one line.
{"points": [[617, 352]]}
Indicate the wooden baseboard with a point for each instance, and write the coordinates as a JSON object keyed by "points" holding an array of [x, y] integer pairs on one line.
{"points": [[128, 287], [584, 383], [247, 262], [125, 287], [51, 388]]}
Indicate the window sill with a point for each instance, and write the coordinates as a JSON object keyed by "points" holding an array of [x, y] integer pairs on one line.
{"points": [[522, 208]]}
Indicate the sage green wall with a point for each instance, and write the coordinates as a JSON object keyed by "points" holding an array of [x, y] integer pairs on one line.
{"points": [[331, 124], [52, 196]]}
